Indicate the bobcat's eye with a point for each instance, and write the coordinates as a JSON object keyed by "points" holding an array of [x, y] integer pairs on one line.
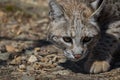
{"points": [[67, 39], [87, 39]]}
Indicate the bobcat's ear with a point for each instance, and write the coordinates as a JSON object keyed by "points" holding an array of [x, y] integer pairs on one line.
{"points": [[56, 12], [97, 5]]}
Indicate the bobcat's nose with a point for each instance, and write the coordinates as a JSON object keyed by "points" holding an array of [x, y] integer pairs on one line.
{"points": [[77, 56]]}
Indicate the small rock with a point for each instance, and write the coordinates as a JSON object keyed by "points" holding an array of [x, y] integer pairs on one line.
{"points": [[37, 49], [4, 56], [23, 57], [10, 48], [61, 60], [16, 61], [63, 72], [36, 66], [32, 59], [22, 66]]}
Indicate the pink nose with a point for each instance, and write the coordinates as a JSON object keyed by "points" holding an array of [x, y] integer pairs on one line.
{"points": [[77, 56]]}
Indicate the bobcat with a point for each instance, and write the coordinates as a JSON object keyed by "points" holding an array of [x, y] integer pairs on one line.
{"points": [[84, 28]]}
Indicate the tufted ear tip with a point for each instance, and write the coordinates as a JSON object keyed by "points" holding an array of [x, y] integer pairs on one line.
{"points": [[98, 6], [97, 3], [56, 12]]}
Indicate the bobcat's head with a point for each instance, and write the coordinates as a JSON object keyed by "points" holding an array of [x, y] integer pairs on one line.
{"points": [[73, 26]]}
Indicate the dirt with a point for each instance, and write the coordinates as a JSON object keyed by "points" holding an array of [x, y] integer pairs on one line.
{"points": [[25, 53]]}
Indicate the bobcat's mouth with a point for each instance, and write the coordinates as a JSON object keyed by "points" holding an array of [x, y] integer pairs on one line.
{"points": [[75, 57]]}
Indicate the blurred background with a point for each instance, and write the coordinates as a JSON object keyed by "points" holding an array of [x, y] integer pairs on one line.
{"points": [[28, 13], [25, 54]]}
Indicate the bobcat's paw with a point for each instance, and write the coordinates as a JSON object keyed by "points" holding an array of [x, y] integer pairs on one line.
{"points": [[97, 66]]}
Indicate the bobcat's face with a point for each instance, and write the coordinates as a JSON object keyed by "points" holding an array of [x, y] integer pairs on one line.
{"points": [[75, 38], [72, 28]]}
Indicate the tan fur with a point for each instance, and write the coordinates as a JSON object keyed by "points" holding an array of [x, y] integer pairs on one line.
{"points": [[76, 8], [91, 27]]}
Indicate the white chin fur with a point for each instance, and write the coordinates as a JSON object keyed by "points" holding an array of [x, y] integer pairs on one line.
{"points": [[71, 57]]}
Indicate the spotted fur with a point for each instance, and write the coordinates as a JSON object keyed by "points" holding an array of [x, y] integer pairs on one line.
{"points": [[86, 27]]}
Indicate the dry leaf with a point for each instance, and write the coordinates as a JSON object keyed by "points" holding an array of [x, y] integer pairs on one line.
{"points": [[10, 48]]}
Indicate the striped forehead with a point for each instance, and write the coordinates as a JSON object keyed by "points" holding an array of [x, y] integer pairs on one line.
{"points": [[76, 26], [76, 7], [77, 12]]}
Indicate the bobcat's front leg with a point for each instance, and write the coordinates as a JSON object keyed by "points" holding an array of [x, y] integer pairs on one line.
{"points": [[100, 57], [97, 66], [97, 63]]}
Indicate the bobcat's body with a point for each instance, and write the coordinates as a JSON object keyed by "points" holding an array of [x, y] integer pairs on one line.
{"points": [[86, 27]]}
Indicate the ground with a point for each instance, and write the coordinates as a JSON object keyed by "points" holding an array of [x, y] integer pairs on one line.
{"points": [[25, 53]]}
